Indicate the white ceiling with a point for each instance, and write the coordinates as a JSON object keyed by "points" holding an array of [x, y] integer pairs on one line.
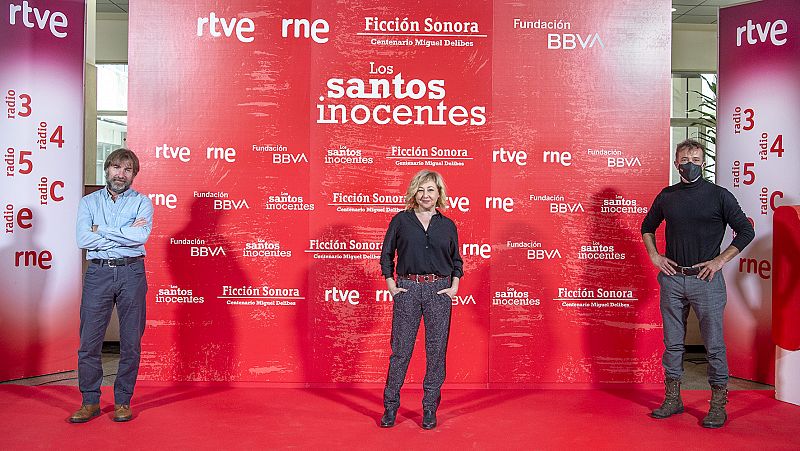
{"points": [[112, 6], [699, 11]]}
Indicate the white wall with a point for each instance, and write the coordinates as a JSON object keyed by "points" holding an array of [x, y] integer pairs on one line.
{"points": [[112, 38], [694, 48]]}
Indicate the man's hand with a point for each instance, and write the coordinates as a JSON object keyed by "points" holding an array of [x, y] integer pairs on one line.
{"points": [[663, 264], [139, 222], [709, 268]]}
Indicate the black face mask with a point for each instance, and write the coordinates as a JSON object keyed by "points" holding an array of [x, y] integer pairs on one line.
{"points": [[690, 171]]}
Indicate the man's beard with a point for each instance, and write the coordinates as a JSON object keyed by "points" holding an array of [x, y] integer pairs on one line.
{"points": [[117, 186]]}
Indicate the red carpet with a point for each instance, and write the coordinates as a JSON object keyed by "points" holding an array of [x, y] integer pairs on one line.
{"points": [[267, 418]]}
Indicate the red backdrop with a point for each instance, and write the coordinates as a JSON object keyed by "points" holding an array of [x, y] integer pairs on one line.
{"points": [[549, 124]]}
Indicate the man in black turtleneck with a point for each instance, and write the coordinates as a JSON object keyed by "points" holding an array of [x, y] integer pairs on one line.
{"points": [[696, 212]]}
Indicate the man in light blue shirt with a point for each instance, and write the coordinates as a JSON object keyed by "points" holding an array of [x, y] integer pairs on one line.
{"points": [[113, 225]]}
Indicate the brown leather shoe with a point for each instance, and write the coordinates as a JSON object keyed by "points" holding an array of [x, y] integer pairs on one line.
{"points": [[122, 412], [85, 413]]}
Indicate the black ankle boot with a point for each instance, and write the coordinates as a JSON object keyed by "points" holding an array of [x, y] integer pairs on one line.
{"points": [[672, 400], [387, 420], [716, 413], [428, 419]]}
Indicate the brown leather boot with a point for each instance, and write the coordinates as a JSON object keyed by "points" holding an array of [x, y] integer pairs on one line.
{"points": [[716, 413], [672, 400], [85, 413], [122, 412]]}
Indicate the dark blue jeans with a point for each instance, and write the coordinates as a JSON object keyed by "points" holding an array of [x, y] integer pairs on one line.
{"points": [[103, 287], [708, 300]]}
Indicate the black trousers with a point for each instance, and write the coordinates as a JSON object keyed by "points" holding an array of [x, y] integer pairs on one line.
{"points": [[420, 301]]}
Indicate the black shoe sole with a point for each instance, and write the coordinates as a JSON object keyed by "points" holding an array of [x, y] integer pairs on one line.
{"points": [[428, 427], [386, 425], [714, 426], [121, 420], [660, 417]]}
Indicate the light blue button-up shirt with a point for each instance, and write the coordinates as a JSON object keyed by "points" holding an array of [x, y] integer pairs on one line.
{"points": [[114, 237]]}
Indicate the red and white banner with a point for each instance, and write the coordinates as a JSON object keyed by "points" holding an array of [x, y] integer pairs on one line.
{"points": [[758, 161], [278, 141], [41, 138]]}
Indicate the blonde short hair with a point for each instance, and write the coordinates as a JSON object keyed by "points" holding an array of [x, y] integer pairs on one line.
{"points": [[425, 176]]}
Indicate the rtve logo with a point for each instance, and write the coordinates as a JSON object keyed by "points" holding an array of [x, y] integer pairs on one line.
{"points": [[351, 297], [459, 203], [56, 20], [518, 157], [770, 29]]}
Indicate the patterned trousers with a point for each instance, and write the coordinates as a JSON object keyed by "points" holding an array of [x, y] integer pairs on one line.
{"points": [[420, 301]]}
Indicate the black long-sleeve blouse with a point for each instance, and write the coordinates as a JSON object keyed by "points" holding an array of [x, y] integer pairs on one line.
{"points": [[434, 251]]}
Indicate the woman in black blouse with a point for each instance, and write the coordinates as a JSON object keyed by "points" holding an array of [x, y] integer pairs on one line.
{"points": [[428, 271]]}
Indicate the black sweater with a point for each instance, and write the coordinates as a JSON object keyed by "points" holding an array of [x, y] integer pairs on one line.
{"points": [[696, 215]]}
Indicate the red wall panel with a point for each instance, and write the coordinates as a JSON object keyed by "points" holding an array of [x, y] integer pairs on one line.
{"points": [[314, 192]]}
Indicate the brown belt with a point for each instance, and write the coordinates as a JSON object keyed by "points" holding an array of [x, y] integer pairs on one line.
{"points": [[423, 278]]}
